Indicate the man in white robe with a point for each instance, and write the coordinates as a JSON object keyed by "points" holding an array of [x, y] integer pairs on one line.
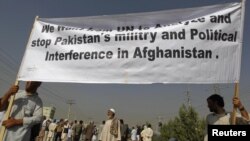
{"points": [[143, 132], [111, 129], [149, 133], [51, 133]]}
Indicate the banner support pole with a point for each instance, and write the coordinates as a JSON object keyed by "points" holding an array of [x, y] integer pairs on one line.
{"points": [[236, 86], [236, 94]]}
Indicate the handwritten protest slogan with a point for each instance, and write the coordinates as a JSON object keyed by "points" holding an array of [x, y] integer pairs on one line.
{"points": [[194, 45]]}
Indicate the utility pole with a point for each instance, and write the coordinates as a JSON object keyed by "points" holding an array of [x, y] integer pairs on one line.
{"points": [[188, 97], [159, 125], [70, 102], [159, 119]]}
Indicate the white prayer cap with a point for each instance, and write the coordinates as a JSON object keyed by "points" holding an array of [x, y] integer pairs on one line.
{"points": [[112, 110]]}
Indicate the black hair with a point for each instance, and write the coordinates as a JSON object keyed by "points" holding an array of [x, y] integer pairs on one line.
{"points": [[217, 98], [149, 125], [121, 121]]}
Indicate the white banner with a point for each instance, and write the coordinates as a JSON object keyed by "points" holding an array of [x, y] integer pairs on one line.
{"points": [[194, 45]]}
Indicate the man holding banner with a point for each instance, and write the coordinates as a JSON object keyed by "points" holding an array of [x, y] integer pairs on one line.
{"points": [[26, 111], [219, 116]]}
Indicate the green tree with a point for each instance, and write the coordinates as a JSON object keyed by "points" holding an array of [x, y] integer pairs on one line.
{"points": [[185, 127]]}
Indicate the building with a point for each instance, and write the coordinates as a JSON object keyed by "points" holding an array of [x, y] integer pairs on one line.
{"points": [[49, 112]]}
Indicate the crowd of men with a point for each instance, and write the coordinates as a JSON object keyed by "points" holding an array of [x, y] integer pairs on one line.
{"points": [[64, 130]]}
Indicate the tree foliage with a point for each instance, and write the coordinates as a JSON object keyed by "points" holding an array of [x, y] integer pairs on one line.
{"points": [[185, 127]]}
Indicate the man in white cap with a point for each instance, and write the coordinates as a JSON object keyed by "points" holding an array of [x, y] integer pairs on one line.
{"points": [[111, 129]]}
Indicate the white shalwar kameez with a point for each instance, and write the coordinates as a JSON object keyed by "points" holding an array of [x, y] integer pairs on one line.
{"points": [[105, 134]]}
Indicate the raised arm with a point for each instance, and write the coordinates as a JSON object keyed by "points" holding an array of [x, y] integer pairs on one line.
{"points": [[237, 103], [5, 99]]}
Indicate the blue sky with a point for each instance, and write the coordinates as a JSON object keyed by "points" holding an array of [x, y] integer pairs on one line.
{"points": [[134, 103]]}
